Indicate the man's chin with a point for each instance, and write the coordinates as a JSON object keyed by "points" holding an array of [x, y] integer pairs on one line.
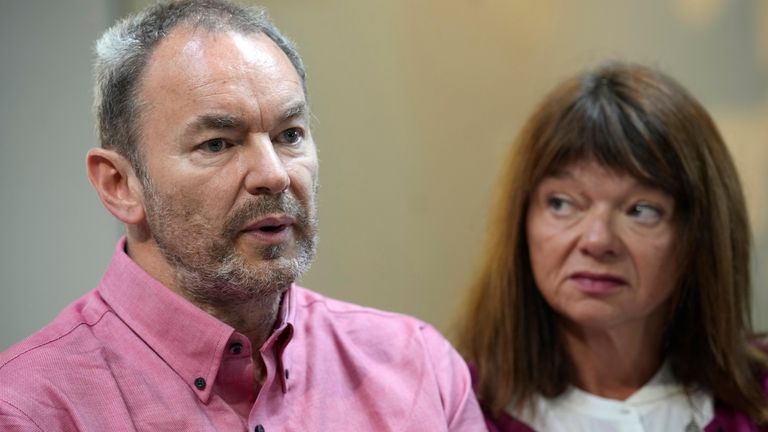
{"points": [[267, 263], [254, 255], [274, 272], [244, 283], [273, 268]]}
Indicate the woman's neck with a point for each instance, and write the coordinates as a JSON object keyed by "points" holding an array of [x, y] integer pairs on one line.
{"points": [[613, 363]]}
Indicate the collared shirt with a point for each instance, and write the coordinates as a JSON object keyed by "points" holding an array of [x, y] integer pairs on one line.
{"points": [[661, 404], [134, 356]]}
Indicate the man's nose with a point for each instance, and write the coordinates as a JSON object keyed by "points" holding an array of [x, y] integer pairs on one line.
{"points": [[600, 238], [266, 172]]}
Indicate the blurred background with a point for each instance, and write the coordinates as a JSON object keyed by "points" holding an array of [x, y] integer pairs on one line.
{"points": [[415, 103]]}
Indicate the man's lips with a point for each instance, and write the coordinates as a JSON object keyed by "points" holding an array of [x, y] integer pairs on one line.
{"points": [[271, 229], [271, 223], [597, 283]]}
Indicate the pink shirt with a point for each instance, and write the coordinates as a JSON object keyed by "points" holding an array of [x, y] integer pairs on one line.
{"points": [[134, 356]]}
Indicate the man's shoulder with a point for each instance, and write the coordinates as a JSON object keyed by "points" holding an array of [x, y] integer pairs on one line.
{"points": [[62, 371], [59, 340], [364, 326], [312, 305], [393, 356]]}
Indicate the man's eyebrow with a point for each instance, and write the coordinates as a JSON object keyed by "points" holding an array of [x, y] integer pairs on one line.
{"points": [[216, 122], [298, 109], [230, 122]]}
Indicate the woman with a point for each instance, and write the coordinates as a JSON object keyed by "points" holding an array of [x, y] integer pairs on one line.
{"points": [[614, 293]]}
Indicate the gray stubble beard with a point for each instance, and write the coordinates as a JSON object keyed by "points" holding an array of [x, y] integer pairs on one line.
{"points": [[210, 271]]}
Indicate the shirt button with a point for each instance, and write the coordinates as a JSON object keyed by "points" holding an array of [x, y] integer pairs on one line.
{"points": [[236, 348], [258, 428], [286, 374], [200, 383]]}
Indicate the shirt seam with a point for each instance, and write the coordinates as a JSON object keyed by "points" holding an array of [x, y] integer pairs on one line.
{"points": [[50, 341], [22, 413], [363, 310]]}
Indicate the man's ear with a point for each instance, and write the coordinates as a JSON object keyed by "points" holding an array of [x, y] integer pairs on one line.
{"points": [[117, 185]]}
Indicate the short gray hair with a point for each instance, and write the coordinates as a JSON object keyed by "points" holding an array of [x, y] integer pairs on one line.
{"points": [[123, 51]]}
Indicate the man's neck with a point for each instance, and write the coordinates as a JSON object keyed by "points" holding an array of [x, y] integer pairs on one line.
{"points": [[255, 318]]}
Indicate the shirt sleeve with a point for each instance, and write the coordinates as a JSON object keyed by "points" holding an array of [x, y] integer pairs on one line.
{"points": [[13, 420], [453, 379]]}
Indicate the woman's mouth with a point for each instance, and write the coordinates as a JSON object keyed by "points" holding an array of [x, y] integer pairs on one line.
{"points": [[597, 283]]}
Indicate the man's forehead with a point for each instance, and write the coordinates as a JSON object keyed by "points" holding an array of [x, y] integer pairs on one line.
{"points": [[186, 43], [200, 80], [190, 58]]}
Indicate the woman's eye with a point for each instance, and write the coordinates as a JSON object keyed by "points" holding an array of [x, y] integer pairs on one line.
{"points": [[559, 205], [215, 145], [291, 136], [646, 213]]}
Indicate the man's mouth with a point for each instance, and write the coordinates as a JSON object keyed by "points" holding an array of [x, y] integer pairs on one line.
{"points": [[271, 229]]}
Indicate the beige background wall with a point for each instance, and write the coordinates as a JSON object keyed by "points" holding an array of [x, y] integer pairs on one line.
{"points": [[415, 103]]}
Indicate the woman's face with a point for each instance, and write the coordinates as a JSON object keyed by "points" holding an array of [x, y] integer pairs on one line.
{"points": [[602, 247]]}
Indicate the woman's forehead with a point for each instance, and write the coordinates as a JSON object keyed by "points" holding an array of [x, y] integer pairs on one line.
{"points": [[573, 167]]}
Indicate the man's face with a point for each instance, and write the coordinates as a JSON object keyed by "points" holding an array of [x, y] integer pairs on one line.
{"points": [[230, 162]]}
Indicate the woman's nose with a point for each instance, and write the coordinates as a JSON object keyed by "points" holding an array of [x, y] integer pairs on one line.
{"points": [[599, 238]]}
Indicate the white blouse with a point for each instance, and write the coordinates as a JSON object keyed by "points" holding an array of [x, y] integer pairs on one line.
{"points": [[660, 405]]}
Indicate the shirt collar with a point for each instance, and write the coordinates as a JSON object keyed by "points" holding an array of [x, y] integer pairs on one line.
{"points": [[189, 340], [662, 387]]}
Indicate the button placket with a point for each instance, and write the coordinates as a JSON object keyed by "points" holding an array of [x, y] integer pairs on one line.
{"points": [[632, 421], [279, 352]]}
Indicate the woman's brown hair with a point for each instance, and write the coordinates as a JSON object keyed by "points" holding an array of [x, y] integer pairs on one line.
{"points": [[638, 121]]}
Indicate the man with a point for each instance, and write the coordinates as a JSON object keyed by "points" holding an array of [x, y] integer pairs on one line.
{"points": [[208, 160]]}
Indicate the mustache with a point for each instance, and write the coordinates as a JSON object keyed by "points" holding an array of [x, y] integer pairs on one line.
{"points": [[265, 205]]}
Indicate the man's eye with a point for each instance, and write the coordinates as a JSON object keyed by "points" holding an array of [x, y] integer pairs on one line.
{"points": [[291, 136], [215, 145]]}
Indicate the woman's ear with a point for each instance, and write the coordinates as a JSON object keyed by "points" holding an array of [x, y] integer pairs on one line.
{"points": [[117, 185]]}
